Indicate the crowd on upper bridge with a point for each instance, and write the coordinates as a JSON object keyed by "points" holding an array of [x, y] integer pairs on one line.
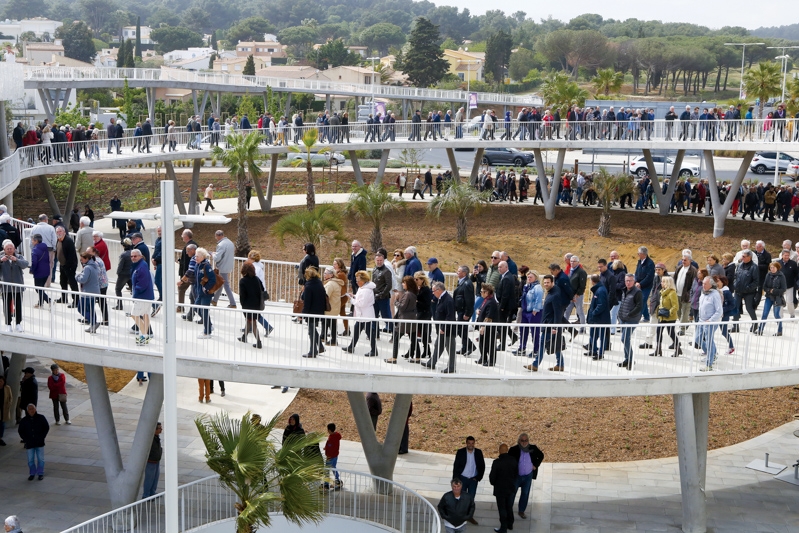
{"points": [[509, 304]]}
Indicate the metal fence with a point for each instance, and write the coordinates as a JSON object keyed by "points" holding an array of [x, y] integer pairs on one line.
{"points": [[203, 502]]}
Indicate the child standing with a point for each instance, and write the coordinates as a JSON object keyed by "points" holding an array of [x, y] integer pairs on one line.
{"points": [[331, 453]]}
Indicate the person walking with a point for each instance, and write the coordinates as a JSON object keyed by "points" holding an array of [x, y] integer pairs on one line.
{"points": [[332, 446], [33, 430], [204, 281], [142, 284], [6, 407], [40, 269], [209, 197], [57, 384], [469, 468], [314, 302], [528, 458], [224, 259], [12, 265], [503, 478], [89, 280], [153, 467], [456, 508], [251, 295], [28, 391]]}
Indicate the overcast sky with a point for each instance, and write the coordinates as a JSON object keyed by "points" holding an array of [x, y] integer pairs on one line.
{"points": [[710, 13]]}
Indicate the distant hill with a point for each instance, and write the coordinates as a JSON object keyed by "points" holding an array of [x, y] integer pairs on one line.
{"points": [[790, 32]]}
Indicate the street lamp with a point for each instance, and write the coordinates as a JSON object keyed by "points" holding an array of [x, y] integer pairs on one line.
{"points": [[168, 218], [373, 81], [784, 57], [743, 62]]}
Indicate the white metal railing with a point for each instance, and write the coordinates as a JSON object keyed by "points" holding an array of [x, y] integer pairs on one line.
{"points": [[203, 502], [60, 76], [289, 340]]}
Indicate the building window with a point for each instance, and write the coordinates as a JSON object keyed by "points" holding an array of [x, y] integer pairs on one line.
{"points": [[461, 76]]}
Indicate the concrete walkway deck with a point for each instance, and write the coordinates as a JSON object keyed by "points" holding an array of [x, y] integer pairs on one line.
{"points": [[639, 496]]}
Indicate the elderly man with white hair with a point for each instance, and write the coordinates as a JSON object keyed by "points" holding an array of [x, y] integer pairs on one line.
{"points": [[12, 525], [745, 245], [85, 235]]}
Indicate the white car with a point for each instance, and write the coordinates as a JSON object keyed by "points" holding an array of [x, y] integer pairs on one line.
{"points": [[764, 162], [638, 167], [332, 158]]}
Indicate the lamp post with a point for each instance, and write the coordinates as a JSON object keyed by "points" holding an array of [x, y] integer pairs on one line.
{"points": [[743, 62], [168, 218], [784, 57], [468, 79], [373, 58]]}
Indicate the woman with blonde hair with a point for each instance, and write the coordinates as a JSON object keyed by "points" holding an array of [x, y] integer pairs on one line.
{"points": [[333, 286], [340, 271], [399, 274], [424, 311], [406, 310], [363, 307]]}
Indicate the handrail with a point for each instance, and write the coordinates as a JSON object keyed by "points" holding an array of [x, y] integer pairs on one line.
{"points": [[205, 501]]}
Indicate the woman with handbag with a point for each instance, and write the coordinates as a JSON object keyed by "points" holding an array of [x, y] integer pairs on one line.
{"points": [[254, 257], [667, 314], [774, 287], [252, 300], [406, 310]]}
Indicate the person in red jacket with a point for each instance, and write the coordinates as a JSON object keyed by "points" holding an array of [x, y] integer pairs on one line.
{"points": [[57, 383], [331, 453]]}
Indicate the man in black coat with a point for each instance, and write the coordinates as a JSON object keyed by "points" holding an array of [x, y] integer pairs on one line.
{"points": [[33, 430], [528, 458], [28, 392], [456, 507], [445, 312], [469, 466], [357, 263], [464, 307], [508, 302], [552, 313], [17, 135], [147, 132], [314, 301], [68, 259], [416, 127], [503, 477]]}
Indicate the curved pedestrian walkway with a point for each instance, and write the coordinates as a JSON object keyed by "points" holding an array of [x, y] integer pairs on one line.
{"points": [[639, 496]]}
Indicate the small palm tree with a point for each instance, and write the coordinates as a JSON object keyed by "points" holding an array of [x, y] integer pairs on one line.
{"points": [[608, 188], [263, 477], [762, 82], [607, 80], [240, 159], [460, 199], [373, 202], [323, 223], [308, 143]]}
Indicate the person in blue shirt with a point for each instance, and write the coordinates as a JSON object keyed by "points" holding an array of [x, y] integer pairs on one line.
{"points": [[598, 313], [142, 284], [413, 265], [532, 303]]}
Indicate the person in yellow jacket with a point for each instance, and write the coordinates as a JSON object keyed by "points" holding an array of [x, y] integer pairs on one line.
{"points": [[667, 313]]}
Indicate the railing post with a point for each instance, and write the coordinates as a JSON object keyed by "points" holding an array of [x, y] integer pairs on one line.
{"points": [[402, 516], [182, 510]]}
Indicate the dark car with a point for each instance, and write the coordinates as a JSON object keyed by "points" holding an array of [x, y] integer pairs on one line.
{"points": [[507, 156]]}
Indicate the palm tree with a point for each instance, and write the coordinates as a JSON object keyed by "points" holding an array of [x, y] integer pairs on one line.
{"points": [[323, 223], [607, 80], [559, 91], [460, 199], [373, 202], [308, 143], [762, 82], [792, 96], [240, 159], [263, 477], [609, 187]]}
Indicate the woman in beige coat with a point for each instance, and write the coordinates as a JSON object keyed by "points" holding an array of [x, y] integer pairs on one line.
{"points": [[5, 408], [333, 287]]}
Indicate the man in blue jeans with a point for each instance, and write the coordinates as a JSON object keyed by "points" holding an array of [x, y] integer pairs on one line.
{"points": [[645, 276], [153, 467], [630, 309], [529, 458], [33, 430]]}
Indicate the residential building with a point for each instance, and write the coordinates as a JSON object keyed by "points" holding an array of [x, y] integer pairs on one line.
{"points": [[180, 55], [36, 54], [40, 26], [465, 65], [236, 65], [260, 49], [129, 32]]}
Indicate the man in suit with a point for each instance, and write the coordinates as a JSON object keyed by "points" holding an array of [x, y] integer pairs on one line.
{"points": [[528, 458], [469, 467], [445, 312], [464, 306], [416, 126], [68, 258], [503, 477], [508, 303]]}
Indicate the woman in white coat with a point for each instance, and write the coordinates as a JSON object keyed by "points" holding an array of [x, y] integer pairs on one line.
{"points": [[363, 303]]}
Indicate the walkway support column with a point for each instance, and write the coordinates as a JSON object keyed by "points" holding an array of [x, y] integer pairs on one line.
{"points": [[194, 206], [381, 167], [73, 190], [5, 151], [205, 103], [270, 184], [123, 478], [550, 197], [720, 211], [259, 192], [17, 361], [170, 174], [287, 108], [691, 416], [478, 160], [150, 94], [381, 458], [48, 191], [664, 199], [453, 164], [356, 167]]}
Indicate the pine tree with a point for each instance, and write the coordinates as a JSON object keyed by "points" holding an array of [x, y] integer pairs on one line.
{"points": [[424, 63], [213, 40], [138, 37], [249, 67], [129, 61], [121, 54], [498, 54]]}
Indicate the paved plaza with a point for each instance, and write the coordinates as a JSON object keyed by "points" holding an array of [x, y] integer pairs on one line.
{"points": [[640, 496]]}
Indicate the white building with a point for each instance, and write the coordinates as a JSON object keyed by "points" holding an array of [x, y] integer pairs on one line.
{"points": [[191, 53], [129, 32], [12, 29]]}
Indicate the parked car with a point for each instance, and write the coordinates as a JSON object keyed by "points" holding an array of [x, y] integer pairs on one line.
{"points": [[507, 156], [638, 167], [764, 162], [333, 158]]}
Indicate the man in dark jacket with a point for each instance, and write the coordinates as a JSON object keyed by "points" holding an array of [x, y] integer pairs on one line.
{"points": [[313, 303], [28, 392], [12, 233], [747, 279], [357, 263], [68, 261], [684, 277], [630, 310], [147, 132], [416, 127], [463, 295], [791, 272], [552, 313], [469, 467], [645, 275], [375, 407], [503, 477], [763, 261], [445, 312], [153, 467], [508, 302], [598, 313], [17, 135], [383, 280], [561, 280], [578, 279], [528, 458], [33, 430], [456, 507], [183, 267]]}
